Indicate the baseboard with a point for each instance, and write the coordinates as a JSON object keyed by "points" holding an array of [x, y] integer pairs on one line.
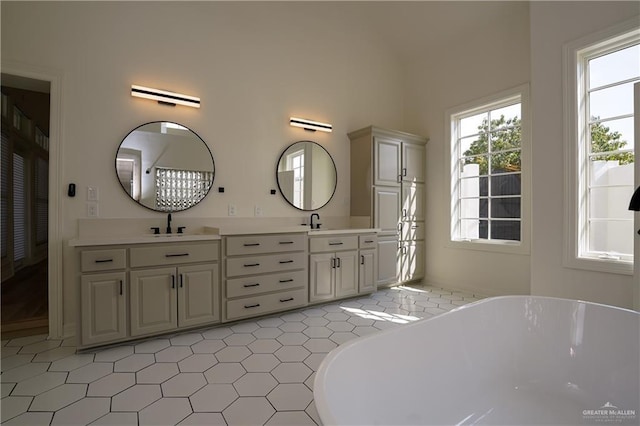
{"points": [[69, 330]]}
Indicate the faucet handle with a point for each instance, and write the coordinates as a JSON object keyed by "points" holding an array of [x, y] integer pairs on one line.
{"points": [[156, 230], [181, 229]]}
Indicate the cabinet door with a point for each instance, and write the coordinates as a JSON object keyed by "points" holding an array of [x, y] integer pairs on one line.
{"points": [[387, 157], [367, 271], [412, 201], [412, 261], [386, 208], [346, 274], [104, 315], [198, 295], [153, 301], [413, 159], [321, 282], [388, 266]]}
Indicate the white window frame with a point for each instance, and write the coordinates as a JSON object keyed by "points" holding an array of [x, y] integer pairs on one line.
{"points": [[522, 247], [575, 126]]}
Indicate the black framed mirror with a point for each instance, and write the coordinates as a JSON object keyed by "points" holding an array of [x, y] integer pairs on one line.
{"points": [[165, 166], [306, 175]]}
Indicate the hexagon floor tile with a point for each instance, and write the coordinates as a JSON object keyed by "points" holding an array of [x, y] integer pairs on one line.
{"points": [[253, 372]]}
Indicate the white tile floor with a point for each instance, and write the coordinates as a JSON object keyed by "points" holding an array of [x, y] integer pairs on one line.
{"points": [[249, 373]]}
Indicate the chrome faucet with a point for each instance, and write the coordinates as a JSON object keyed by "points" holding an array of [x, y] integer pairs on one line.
{"points": [[314, 225], [169, 223]]}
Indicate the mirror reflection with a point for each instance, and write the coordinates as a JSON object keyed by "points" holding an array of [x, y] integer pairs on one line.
{"points": [[306, 175], [165, 166]]}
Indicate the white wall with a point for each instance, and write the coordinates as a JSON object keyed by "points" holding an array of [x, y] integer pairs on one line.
{"points": [[253, 65], [494, 59], [553, 24]]}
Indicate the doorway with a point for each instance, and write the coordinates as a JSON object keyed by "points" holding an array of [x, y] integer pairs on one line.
{"points": [[25, 206]]}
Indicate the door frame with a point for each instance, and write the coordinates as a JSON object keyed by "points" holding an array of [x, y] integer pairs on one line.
{"points": [[55, 275], [636, 245]]}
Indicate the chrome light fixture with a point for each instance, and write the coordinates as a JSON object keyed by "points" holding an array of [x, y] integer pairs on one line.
{"points": [[310, 125], [164, 97]]}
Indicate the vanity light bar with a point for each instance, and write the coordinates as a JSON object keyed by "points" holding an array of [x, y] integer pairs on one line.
{"points": [[164, 97], [310, 125]]}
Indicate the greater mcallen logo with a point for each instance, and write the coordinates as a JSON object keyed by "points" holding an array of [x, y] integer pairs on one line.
{"points": [[609, 413]]}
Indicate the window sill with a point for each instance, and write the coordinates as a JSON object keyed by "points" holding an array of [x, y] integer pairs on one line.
{"points": [[506, 247], [621, 267]]}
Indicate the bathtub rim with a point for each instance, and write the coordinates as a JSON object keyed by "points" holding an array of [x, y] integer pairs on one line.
{"points": [[321, 374]]}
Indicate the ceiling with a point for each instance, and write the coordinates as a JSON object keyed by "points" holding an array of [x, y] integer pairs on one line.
{"points": [[421, 26]]}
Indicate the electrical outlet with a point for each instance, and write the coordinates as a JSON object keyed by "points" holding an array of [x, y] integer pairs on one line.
{"points": [[92, 193], [231, 210], [257, 211], [92, 209]]}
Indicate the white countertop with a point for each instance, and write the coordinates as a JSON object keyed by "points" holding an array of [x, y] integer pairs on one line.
{"points": [[176, 238], [143, 239]]}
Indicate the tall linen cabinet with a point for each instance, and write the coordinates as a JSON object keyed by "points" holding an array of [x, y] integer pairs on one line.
{"points": [[387, 189]]}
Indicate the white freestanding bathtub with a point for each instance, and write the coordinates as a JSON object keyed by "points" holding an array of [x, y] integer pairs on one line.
{"points": [[510, 360]]}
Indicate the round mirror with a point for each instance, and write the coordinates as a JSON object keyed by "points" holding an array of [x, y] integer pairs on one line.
{"points": [[165, 166], [306, 175]]}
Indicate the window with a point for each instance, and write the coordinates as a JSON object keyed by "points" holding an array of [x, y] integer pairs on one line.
{"points": [[488, 145], [295, 162], [601, 148], [180, 189]]}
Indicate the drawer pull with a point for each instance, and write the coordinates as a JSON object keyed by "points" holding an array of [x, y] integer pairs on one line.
{"points": [[251, 306], [285, 242], [368, 241], [286, 281], [286, 261], [103, 260], [338, 243], [176, 254], [251, 244], [251, 285], [247, 265], [286, 300]]}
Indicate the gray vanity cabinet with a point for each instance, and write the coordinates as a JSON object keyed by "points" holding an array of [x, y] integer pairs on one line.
{"points": [[165, 298], [264, 273], [387, 187], [103, 294], [367, 273], [105, 316], [138, 290], [337, 268]]}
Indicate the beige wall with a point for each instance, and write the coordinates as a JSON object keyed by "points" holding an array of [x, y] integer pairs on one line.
{"points": [[495, 59], [253, 65], [552, 26]]}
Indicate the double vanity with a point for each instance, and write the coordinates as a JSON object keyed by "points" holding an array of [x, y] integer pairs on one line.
{"points": [[135, 287]]}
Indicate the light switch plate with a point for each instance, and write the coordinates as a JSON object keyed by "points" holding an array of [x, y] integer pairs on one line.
{"points": [[92, 209], [231, 210], [92, 193]]}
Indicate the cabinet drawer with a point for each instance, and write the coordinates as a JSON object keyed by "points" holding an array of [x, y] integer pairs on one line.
{"points": [[248, 286], [264, 264], [258, 244], [258, 305], [412, 231], [335, 243], [368, 241], [103, 260], [173, 254]]}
